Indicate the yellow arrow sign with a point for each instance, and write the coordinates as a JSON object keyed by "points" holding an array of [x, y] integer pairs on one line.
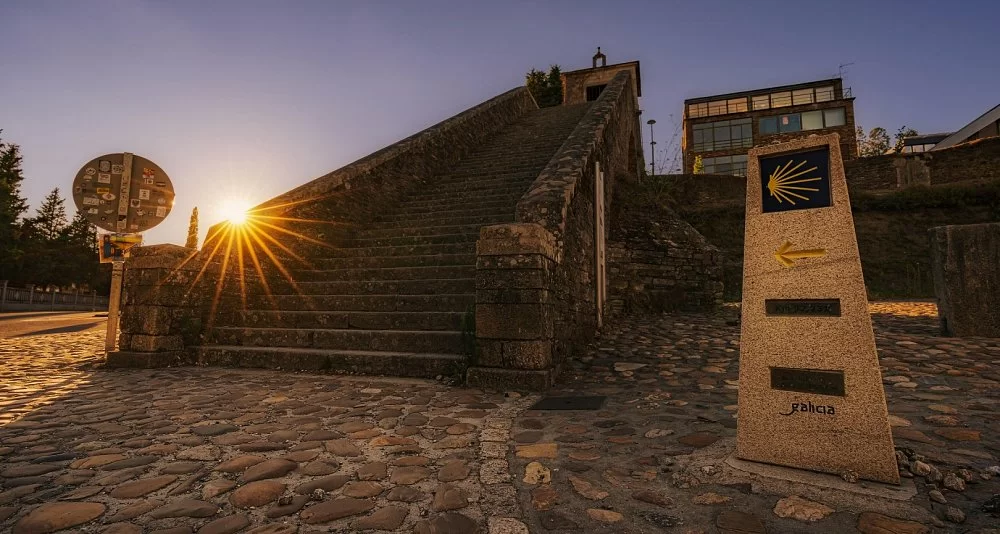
{"points": [[785, 255]]}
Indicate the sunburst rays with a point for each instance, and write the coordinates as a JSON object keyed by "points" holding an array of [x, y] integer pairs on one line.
{"points": [[782, 185], [264, 243]]}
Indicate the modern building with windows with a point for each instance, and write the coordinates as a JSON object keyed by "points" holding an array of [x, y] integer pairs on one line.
{"points": [[722, 128]]}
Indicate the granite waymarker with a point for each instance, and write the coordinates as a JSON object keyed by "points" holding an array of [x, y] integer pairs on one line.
{"points": [[810, 389]]}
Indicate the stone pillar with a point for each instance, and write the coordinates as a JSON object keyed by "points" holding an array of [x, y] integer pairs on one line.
{"points": [[514, 308], [162, 308], [965, 260]]}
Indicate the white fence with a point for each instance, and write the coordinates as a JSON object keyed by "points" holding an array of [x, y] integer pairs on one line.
{"points": [[22, 299]]}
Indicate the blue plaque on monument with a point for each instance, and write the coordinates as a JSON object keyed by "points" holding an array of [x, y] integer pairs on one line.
{"points": [[796, 181]]}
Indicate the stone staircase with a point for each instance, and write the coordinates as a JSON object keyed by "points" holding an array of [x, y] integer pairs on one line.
{"points": [[398, 299]]}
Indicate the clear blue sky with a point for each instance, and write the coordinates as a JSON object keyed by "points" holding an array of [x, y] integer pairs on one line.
{"points": [[251, 98]]}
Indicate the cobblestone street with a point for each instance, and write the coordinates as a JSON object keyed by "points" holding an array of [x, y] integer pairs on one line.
{"points": [[218, 450]]}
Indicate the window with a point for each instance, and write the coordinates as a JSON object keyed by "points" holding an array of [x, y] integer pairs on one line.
{"points": [[698, 110], [790, 123], [717, 108], [734, 165], [824, 94], [780, 100], [594, 92], [722, 135], [834, 117], [802, 96], [812, 120], [761, 102], [737, 105], [808, 120], [769, 125]]}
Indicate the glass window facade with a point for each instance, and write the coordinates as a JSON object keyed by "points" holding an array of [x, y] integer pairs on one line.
{"points": [[722, 135], [834, 117], [734, 165], [809, 120]]}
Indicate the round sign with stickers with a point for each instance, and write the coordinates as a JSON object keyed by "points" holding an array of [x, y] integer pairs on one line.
{"points": [[123, 193]]}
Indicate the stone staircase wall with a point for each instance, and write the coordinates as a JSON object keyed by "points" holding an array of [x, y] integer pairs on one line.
{"points": [[535, 278]]}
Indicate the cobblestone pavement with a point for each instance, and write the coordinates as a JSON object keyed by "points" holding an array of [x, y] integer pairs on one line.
{"points": [[671, 387], [219, 450]]}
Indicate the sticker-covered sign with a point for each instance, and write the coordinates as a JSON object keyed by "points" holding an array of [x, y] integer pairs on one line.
{"points": [[127, 188]]}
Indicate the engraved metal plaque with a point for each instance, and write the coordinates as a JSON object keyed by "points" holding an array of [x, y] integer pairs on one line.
{"points": [[819, 381], [802, 307]]}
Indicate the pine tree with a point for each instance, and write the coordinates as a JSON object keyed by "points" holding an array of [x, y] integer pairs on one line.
{"points": [[50, 221], [192, 238], [78, 248], [12, 207]]}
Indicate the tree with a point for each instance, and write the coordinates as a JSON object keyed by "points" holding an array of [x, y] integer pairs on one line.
{"points": [[876, 143], [698, 167], [12, 207], [192, 238], [546, 88], [50, 221], [902, 133]]}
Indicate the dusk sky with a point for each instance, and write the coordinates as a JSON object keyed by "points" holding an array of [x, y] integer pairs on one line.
{"points": [[247, 99]]}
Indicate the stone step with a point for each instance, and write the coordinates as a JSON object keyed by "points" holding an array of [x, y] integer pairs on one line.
{"points": [[380, 303], [465, 229], [387, 273], [469, 246], [430, 286], [437, 341], [404, 364], [508, 198], [480, 186], [471, 204], [377, 262], [405, 240], [480, 220], [460, 212], [449, 194], [353, 319]]}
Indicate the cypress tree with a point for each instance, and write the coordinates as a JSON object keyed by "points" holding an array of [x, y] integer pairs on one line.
{"points": [[192, 238]]}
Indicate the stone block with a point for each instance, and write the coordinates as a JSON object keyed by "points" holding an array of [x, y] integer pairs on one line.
{"points": [[513, 321], [148, 343], [517, 238], [965, 260], [152, 320], [493, 378], [512, 279], [129, 359]]}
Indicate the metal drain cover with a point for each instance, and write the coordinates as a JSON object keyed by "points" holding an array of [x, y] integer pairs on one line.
{"points": [[569, 403]]}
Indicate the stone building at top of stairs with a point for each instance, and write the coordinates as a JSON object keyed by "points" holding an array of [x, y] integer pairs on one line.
{"points": [[473, 249]]}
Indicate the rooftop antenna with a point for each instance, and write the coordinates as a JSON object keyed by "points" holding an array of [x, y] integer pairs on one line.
{"points": [[841, 70]]}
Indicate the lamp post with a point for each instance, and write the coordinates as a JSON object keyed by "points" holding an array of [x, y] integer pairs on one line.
{"points": [[652, 148]]}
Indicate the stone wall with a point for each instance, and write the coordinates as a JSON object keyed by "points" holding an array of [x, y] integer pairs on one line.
{"points": [[546, 259], [656, 261], [891, 228], [966, 262], [973, 161], [167, 299]]}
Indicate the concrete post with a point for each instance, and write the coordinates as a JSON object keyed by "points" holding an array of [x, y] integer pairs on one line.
{"points": [[3, 295]]}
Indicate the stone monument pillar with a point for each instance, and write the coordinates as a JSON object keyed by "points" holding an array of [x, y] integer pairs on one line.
{"points": [[810, 393]]}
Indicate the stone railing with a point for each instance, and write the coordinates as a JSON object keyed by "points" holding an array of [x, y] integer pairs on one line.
{"points": [[535, 278]]}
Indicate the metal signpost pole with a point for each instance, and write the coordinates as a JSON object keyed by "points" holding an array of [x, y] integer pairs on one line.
{"points": [[116, 293], [3, 295]]}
